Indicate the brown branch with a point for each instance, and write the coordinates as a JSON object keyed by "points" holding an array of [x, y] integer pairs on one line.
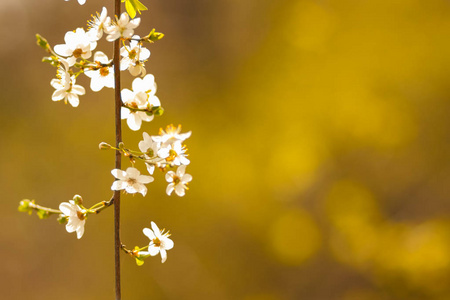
{"points": [[118, 105]]}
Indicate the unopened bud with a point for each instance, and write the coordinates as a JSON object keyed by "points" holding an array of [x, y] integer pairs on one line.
{"points": [[42, 42], [157, 110], [104, 146], [121, 145], [78, 200], [24, 206]]}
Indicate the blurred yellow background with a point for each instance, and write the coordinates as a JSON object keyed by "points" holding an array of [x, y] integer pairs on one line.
{"points": [[320, 153]]}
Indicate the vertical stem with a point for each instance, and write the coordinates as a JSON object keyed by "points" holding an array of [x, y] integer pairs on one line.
{"points": [[118, 104]]}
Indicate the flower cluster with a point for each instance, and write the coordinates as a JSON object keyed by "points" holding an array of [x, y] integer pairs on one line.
{"points": [[166, 151], [162, 151], [73, 59]]}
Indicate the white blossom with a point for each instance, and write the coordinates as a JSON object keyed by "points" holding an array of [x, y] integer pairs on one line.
{"points": [[77, 44], [178, 181], [103, 76], [146, 85], [76, 217], [171, 135], [131, 181], [159, 242], [134, 117], [65, 87], [98, 24], [150, 148], [134, 57], [123, 27], [174, 154]]}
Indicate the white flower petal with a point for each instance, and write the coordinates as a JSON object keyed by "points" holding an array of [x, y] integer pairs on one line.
{"points": [[119, 174], [149, 233], [163, 255]]}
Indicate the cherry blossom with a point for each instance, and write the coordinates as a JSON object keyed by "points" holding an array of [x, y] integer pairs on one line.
{"points": [[171, 135], [104, 75], [134, 56], [178, 181], [131, 181], [65, 87], [123, 27], [77, 44], [174, 154], [159, 242], [76, 216], [98, 24], [150, 148], [137, 101]]}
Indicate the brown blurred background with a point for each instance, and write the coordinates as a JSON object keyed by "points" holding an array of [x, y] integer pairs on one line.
{"points": [[320, 153]]}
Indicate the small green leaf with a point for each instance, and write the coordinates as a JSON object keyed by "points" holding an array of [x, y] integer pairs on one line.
{"points": [[139, 261], [42, 42], [158, 110], [130, 9], [24, 206], [62, 219], [133, 6], [43, 214]]}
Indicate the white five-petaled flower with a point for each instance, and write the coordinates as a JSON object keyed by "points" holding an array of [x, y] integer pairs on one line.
{"points": [[150, 148], [138, 101], [65, 87], [159, 242], [103, 76], [134, 56], [174, 154], [131, 181], [123, 27], [76, 216], [79, 1], [78, 44], [98, 24], [178, 181], [171, 135]]}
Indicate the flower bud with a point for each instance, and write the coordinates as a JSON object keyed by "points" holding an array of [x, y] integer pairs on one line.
{"points": [[157, 110], [78, 200], [104, 146], [24, 206], [121, 145], [42, 42]]}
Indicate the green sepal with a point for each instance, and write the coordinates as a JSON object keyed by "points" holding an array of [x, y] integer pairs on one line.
{"points": [[51, 60], [62, 219], [157, 110], [43, 214]]}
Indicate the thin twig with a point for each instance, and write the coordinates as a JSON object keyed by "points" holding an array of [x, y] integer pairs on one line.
{"points": [[118, 105]]}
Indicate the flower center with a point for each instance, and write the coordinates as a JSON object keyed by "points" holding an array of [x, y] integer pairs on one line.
{"points": [[157, 242], [132, 104], [176, 180], [80, 215], [132, 54], [104, 71], [77, 53], [131, 181], [172, 155]]}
